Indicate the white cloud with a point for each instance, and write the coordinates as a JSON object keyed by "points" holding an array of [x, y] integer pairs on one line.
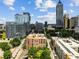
{"points": [[71, 11], [43, 10], [45, 4], [32, 15], [9, 2], [50, 4], [50, 18], [76, 2], [71, 4], [65, 11], [38, 3], [23, 8], [2, 20], [12, 8]]}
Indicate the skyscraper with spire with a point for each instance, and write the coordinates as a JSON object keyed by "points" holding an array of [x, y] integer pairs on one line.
{"points": [[59, 14]]}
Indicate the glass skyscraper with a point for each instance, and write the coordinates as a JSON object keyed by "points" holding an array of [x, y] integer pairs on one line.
{"points": [[59, 14], [22, 18]]}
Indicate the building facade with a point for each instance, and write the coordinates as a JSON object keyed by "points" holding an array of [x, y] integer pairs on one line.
{"points": [[59, 14], [66, 21], [22, 18], [14, 30], [39, 27], [10, 29], [35, 40]]}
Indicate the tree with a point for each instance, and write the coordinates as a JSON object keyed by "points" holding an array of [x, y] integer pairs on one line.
{"points": [[15, 42], [4, 46], [32, 51], [65, 33], [7, 54], [45, 54], [4, 35]]}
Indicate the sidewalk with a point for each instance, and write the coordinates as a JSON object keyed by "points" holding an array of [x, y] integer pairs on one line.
{"points": [[52, 52]]}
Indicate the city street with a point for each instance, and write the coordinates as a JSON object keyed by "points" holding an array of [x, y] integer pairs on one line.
{"points": [[52, 52]]}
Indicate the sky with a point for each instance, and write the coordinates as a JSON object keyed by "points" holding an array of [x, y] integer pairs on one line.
{"points": [[40, 10]]}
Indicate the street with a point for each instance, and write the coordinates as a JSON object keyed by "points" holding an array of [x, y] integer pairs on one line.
{"points": [[52, 52]]}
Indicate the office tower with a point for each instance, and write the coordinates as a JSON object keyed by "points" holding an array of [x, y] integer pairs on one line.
{"points": [[45, 24], [23, 22], [66, 21], [10, 29], [39, 27], [14, 30], [59, 14], [73, 22], [22, 18]]}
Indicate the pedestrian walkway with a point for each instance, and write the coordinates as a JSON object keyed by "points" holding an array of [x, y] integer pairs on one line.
{"points": [[52, 52]]}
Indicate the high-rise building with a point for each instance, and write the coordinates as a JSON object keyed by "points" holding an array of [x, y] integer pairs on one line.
{"points": [[59, 14], [76, 24], [10, 29], [73, 22], [22, 18], [39, 27], [66, 21], [14, 30]]}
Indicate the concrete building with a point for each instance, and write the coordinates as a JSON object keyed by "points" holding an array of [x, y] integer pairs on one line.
{"points": [[20, 27], [66, 48], [15, 30], [74, 21], [35, 40], [66, 21], [22, 18], [10, 29], [59, 14], [23, 22], [39, 27]]}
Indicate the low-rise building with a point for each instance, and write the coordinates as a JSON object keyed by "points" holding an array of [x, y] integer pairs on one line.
{"points": [[35, 40], [66, 48]]}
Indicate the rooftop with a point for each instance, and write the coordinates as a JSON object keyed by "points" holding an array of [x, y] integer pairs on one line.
{"points": [[36, 36]]}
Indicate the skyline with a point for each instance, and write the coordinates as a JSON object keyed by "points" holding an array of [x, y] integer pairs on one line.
{"points": [[40, 10]]}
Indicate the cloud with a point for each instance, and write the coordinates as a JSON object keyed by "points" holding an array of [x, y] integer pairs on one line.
{"points": [[38, 3], [71, 4], [76, 2], [23, 8], [2, 20], [12, 8], [43, 10], [50, 17], [65, 11], [45, 4], [9, 2], [32, 15], [71, 11], [50, 4]]}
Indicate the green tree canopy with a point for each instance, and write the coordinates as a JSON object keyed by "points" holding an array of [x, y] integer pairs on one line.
{"points": [[7, 54], [15, 42], [45, 54], [4, 46], [32, 51]]}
